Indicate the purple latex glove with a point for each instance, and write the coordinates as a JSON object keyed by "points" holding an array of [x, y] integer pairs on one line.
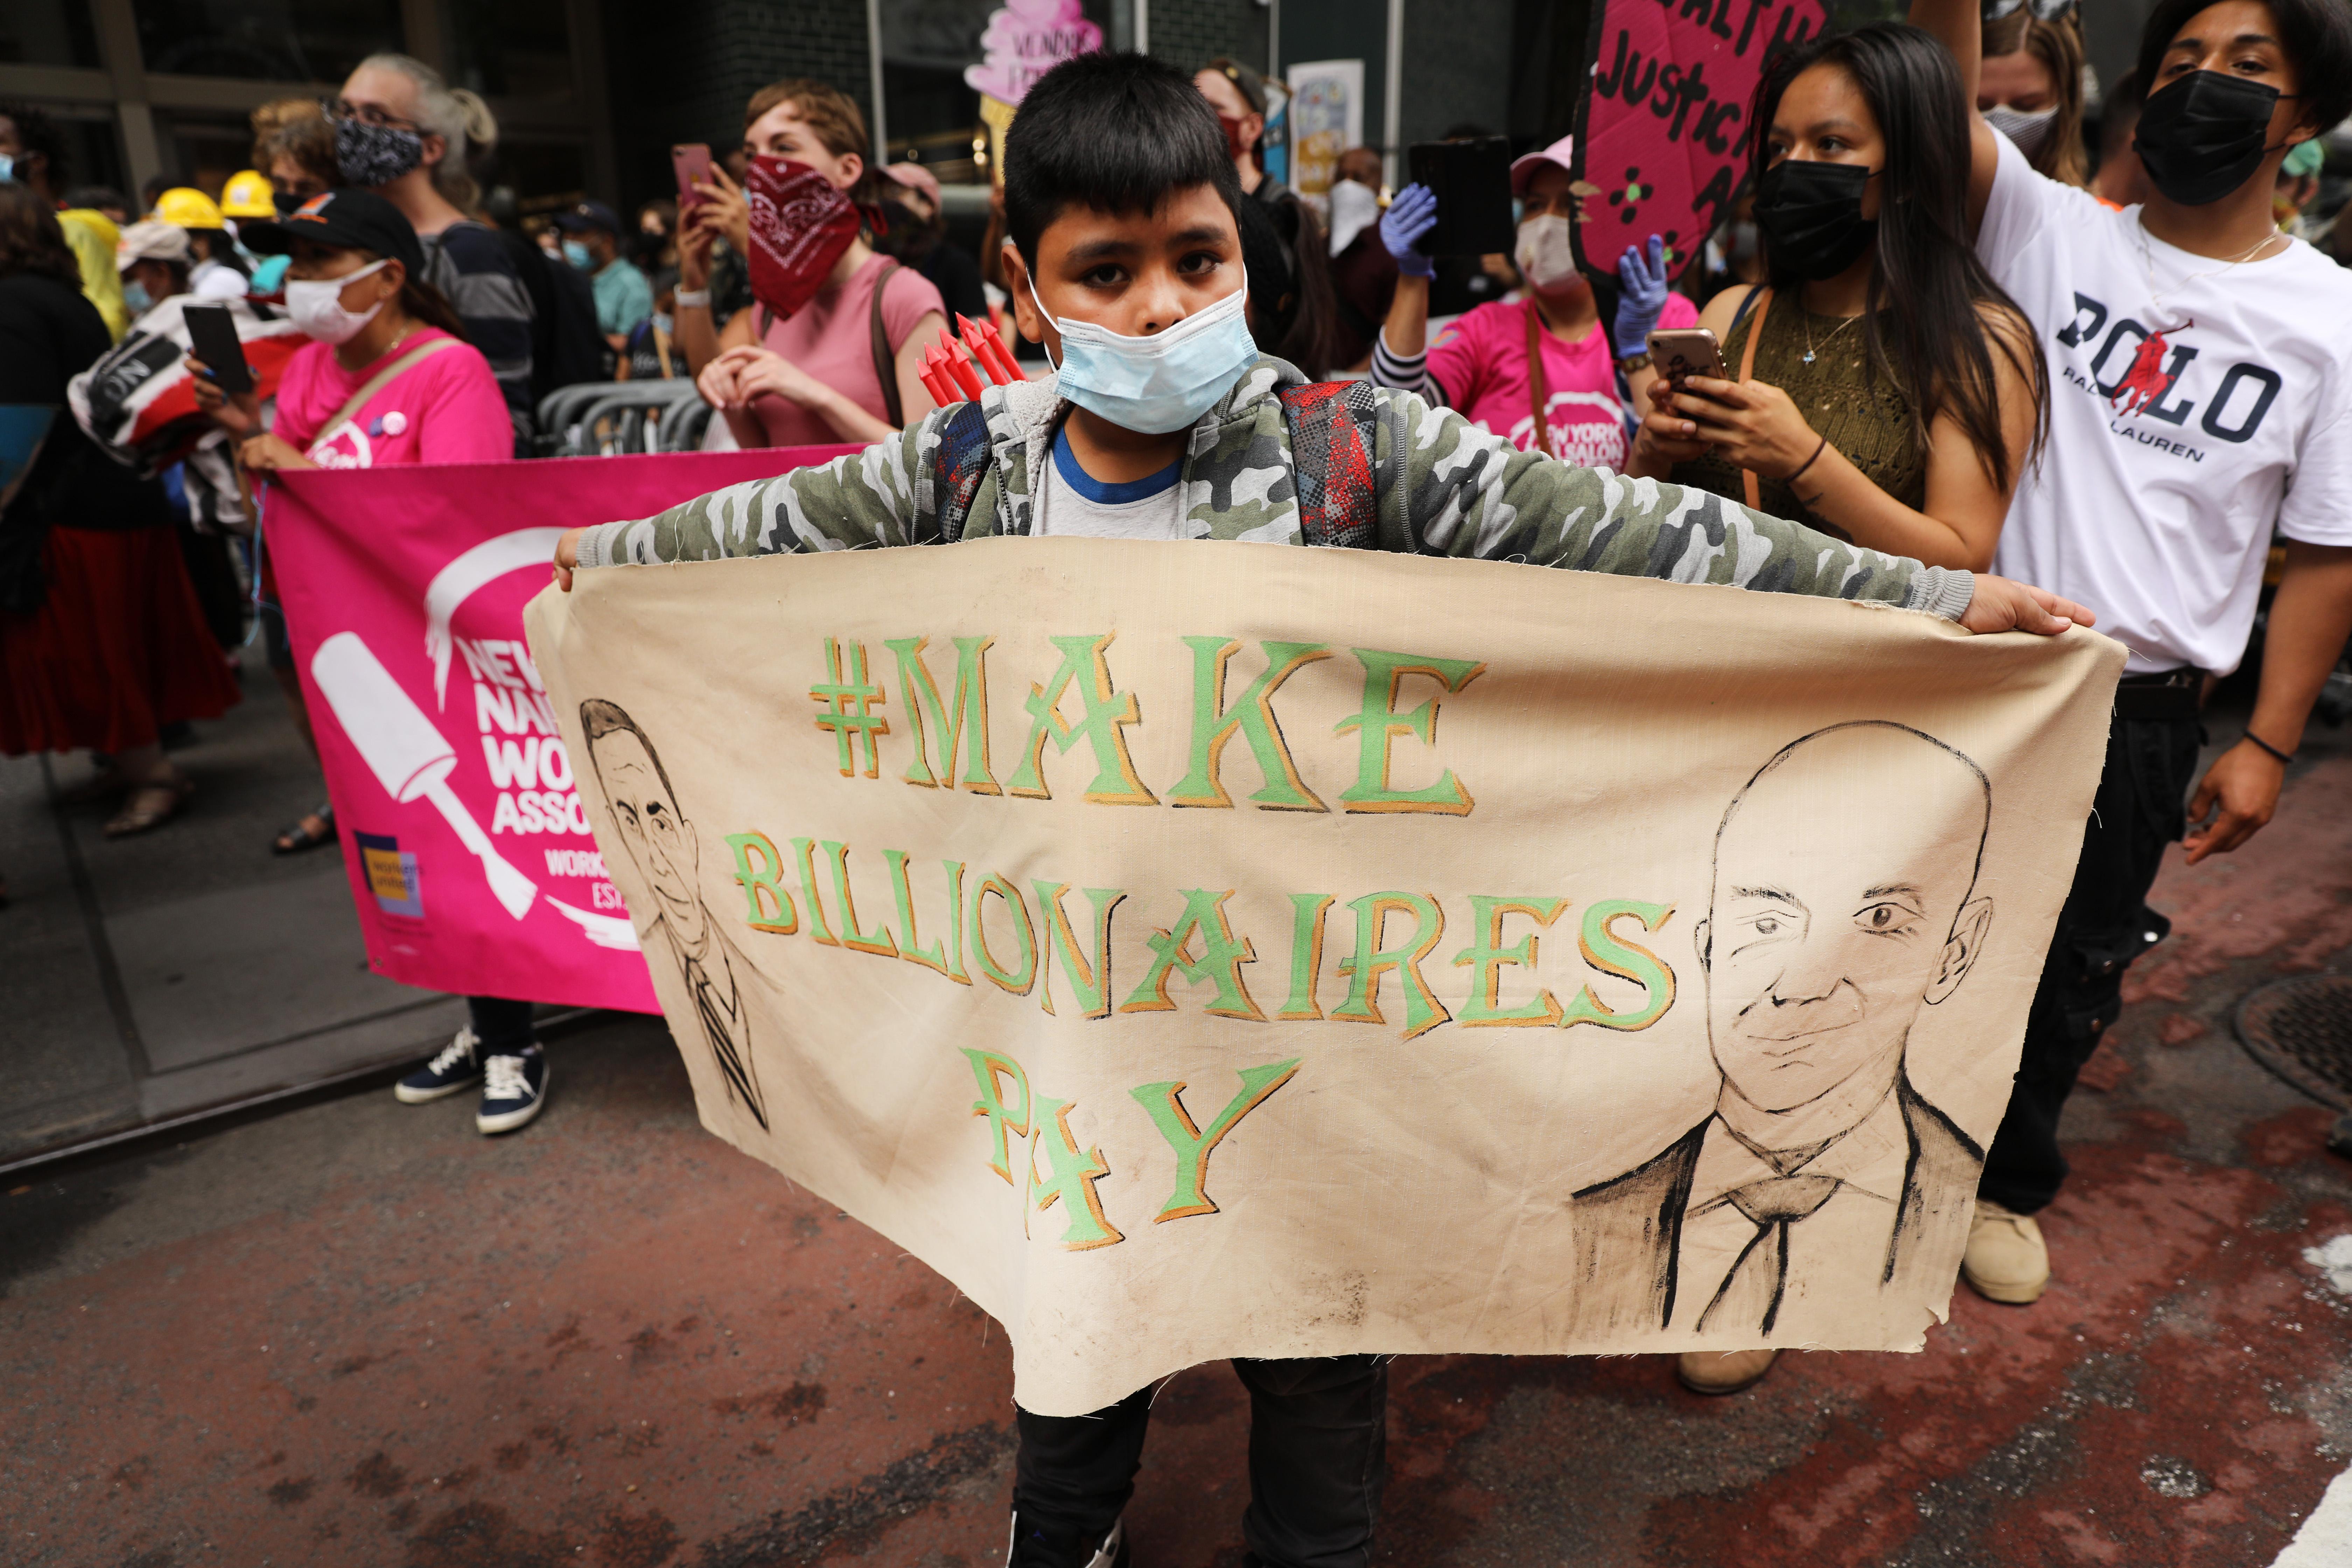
{"points": [[1412, 214], [1641, 296]]}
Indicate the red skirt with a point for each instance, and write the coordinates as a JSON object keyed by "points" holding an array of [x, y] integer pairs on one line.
{"points": [[116, 650]]}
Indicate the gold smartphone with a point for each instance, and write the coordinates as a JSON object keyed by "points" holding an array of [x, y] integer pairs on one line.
{"points": [[1680, 353]]}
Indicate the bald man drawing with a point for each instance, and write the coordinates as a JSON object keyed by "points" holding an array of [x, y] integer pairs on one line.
{"points": [[668, 856], [1844, 901]]}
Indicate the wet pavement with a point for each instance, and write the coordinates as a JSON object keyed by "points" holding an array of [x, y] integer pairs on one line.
{"points": [[357, 1334], [154, 977]]}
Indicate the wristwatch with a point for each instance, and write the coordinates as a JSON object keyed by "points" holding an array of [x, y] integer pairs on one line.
{"points": [[1630, 363]]}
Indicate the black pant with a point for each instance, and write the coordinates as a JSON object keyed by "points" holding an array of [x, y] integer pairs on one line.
{"points": [[1318, 1429], [2106, 923], [503, 1027]]}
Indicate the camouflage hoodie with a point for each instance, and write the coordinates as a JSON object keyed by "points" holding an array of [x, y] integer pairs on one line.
{"points": [[1446, 487]]}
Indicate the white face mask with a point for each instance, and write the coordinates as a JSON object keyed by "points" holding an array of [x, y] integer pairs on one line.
{"points": [[1355, 207], [2028, 128], [1165, 382], [1545, 255], [316, 306]]}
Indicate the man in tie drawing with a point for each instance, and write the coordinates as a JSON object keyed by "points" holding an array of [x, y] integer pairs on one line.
{"points": [[1844, 901], [662, 844]]}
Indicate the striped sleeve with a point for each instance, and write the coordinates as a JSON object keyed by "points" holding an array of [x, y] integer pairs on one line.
{"points": [[1392, 369], [470, 267]]}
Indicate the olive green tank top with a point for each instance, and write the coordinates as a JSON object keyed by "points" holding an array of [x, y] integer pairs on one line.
{"points": [[1868, 420]]}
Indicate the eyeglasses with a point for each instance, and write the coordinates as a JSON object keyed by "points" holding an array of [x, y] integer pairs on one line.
{"points": [[366, 114]]}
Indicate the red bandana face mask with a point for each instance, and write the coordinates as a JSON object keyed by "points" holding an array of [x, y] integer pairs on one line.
{"points": [[801, 224]]}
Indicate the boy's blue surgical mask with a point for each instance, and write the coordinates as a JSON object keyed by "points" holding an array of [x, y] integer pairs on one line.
{"points": [[269, 274], [135, 299], [577, 254], [1161, 383], [7, 168]]}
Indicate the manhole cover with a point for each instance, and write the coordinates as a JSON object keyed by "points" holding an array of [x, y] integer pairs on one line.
{"points": [[2301, 1030]]}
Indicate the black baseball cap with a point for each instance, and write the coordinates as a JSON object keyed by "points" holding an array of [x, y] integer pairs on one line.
{"points": [[588, 216], [349, 219]]}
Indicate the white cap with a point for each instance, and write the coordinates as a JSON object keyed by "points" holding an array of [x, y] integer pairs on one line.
{"points": [[151, 239], [1561, 152]]}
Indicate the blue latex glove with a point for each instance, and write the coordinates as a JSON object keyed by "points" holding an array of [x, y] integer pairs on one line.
{"points": [[1412, 214], [1642, 294]]}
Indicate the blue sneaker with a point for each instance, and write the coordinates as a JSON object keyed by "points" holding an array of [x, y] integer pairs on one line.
{"points": [[459, 1066], [515, 1087]]}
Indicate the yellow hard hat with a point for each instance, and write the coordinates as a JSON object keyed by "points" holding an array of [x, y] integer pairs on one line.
{"points": [[247, 194], [187, 208]]}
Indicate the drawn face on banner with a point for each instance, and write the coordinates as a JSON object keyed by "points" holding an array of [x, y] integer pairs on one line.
{"points": [[1662, 135], [661, 841], [1835, 915]]}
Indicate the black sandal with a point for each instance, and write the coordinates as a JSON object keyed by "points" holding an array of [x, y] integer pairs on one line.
{"points": [[302, 836]]}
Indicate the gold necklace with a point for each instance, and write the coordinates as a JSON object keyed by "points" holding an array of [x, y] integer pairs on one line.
{"points": [[2156, 295], [1833, 331]]}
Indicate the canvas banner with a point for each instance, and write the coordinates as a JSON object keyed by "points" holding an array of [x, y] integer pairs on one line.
{"points": [[1661, 139], [1194, 951], [469, 850]]}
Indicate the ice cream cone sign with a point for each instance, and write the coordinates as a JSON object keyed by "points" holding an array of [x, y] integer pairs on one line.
{"points": [[1023, 41]]}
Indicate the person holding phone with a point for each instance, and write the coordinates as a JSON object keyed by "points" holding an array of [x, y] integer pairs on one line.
{"points": [[1552, 372], [345, 234], [387, 378], [1902, 429], [845, 361]]}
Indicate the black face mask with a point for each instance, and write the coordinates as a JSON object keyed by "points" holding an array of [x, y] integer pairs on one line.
{"points": [[2205, 135], [286, 203], [372, 155], [1811, 216]]}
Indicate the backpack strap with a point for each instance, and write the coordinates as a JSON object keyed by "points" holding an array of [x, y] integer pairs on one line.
{"points": [[885, 365], [1762, 300], [1334, 452], [959, 463]]}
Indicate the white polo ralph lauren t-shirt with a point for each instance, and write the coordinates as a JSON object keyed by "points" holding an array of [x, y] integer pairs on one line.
{"points": [[2193, 407]]}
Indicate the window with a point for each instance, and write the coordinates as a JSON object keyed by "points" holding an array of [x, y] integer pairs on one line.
{"points": [[47, 33], [509, 49], [274, 40]]}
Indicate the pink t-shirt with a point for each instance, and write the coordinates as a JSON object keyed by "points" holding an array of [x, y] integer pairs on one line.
{"points": [[446, 409], [1482, 362], [831, 338]]}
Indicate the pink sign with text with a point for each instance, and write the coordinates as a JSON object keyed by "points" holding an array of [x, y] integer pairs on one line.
{"points": [[1662, 137], [469, 852]]}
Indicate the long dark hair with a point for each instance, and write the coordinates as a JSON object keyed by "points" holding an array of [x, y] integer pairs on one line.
{"points": [[30, 239], [1936, 345]]}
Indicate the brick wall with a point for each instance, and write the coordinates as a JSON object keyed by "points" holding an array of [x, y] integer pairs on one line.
{"points": [[1192, 33], [681, 71]]}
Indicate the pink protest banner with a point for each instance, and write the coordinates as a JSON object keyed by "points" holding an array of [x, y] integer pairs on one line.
{"points": [[469, 852], [1661, 140]]}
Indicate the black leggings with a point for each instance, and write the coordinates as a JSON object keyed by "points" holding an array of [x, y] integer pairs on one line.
{"points": [[503, 1027], [1319, 1427], [2104, 925]]}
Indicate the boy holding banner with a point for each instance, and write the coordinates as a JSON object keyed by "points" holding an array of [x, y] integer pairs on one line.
{"points": [[1164, 423]]}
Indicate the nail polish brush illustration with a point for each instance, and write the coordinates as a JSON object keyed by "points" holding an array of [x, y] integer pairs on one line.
{"points": [[409, 755]]}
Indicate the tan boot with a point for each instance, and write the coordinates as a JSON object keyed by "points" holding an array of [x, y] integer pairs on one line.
{"points": [[1723, 1372], [2007, 1260]]}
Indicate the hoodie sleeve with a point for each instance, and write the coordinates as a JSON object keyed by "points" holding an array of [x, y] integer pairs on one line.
{"points": [[1467, 492], [858, 501]]}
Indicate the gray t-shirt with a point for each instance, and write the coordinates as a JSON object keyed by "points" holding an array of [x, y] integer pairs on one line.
{"points": [[1077, 505]]}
